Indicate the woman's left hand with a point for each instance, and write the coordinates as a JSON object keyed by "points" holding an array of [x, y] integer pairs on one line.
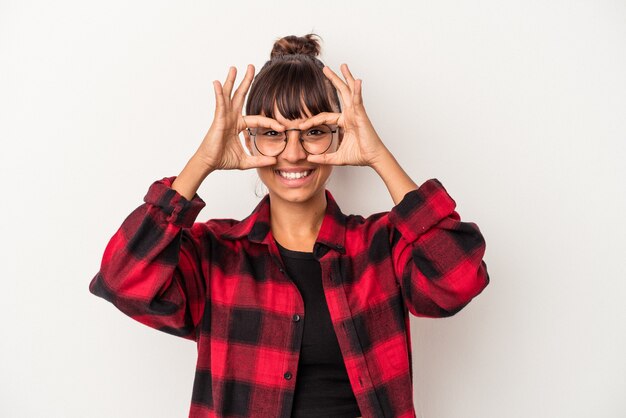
{"points": [[360, 145]]}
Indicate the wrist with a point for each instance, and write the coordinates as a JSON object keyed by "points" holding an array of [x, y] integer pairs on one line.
{"points": [[382, 159], [200, 165], [190, 178]]}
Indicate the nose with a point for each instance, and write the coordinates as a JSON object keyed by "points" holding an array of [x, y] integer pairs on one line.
{"points": [[293, 151]]}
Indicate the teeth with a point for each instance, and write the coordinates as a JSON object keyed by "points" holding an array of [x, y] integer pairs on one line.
{"points": [[294, 175]]}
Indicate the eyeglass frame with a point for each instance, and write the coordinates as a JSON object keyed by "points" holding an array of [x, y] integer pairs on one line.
{"points": [[332, 132]]}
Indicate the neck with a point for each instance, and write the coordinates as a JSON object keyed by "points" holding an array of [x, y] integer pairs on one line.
{"points": [[297, 222]]}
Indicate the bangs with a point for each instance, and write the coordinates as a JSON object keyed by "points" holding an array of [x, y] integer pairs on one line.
{"points": [[293, 86]]}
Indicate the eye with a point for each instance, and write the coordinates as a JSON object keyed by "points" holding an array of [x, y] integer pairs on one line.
{"points": [[270, 133], [314, 132]]}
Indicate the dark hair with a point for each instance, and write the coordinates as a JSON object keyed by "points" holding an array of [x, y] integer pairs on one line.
{"points": [[293, 79]]}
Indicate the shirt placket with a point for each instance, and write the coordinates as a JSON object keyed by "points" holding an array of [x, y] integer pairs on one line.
{"points": [[290, 361], [340, 313]]}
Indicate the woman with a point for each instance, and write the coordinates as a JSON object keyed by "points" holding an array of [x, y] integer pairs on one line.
{"points": [[298, 310]]}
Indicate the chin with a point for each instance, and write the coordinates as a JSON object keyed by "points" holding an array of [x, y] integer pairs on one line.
{"points": [[294, 194]]}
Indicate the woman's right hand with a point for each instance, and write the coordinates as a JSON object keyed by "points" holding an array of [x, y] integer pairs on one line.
{"points": [[221, 148]]}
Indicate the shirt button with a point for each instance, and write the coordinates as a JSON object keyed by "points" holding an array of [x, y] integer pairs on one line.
{"points": [[287, 375], [296, 317]]}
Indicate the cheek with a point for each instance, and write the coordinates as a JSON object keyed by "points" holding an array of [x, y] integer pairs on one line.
{"points": [[325, 172], [263, 174]]}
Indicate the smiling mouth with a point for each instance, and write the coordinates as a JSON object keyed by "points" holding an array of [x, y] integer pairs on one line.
{"points": [[295, 176]]}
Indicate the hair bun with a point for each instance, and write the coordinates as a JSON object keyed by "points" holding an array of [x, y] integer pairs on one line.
{"points": [[305, 45]]}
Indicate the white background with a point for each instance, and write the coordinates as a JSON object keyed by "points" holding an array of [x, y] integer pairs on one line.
{"points": [[517, 107]]}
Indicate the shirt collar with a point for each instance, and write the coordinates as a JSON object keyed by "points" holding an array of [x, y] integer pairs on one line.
{"points": [[257, 225]]}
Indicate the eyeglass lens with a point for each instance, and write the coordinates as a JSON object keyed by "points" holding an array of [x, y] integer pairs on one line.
{"points": [[315, 140]]}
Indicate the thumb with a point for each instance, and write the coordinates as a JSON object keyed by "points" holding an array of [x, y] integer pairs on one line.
{"points": [[330, 158], [256, 161]]}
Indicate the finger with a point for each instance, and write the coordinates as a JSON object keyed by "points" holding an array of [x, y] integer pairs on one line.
{"points": [[246, 135], [320, 118], [329, 158], [219, 98], [258, 121], [230, 81], [348, 76], [358, 98], [254, 161], [338, 83], [242, 90]]}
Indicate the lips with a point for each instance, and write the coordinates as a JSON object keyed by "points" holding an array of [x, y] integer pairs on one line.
{"points": [[306, 173], [294, 169], [295, 182]]}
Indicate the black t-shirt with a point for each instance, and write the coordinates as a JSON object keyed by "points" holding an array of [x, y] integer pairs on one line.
{"points": [[322, 385]]}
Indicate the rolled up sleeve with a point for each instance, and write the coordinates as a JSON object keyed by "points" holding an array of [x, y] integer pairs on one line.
{"points": [[437, 258], [154, 268]]}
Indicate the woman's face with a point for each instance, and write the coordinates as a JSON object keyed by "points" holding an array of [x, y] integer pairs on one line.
{"points": [[293, 158]]}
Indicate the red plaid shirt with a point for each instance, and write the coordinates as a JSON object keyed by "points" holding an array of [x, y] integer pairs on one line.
{"points": [[222, 284]]}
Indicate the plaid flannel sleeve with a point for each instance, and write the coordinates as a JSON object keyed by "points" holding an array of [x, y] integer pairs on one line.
{"points": [[154, 267], [437, 258]]}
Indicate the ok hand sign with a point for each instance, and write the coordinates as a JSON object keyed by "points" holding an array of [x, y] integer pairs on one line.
{"points": [[361, 145], [221, 148]]}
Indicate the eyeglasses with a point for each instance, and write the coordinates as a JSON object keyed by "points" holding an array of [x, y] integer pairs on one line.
{"points": [[271, 143]]}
